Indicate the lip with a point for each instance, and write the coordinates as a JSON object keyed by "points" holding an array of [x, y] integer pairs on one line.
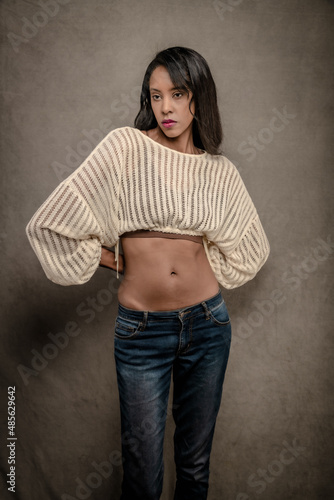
{"points": [[168, 123]]}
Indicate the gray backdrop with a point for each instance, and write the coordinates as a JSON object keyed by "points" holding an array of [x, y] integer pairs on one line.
{"points": [[71, 72]]}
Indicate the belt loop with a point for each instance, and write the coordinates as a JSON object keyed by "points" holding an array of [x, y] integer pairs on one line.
{"points": [[144, 321], [205, 307]]}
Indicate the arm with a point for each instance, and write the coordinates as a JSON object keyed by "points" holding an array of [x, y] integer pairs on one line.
{"points": [[108, 260], [67, 232], [237, 264], [240, 247]]}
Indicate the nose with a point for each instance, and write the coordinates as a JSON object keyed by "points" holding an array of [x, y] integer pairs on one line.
{"points": [[166, 105]]}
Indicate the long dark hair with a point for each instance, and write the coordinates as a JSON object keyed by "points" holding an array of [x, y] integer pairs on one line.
{"points": [[188, 70]]}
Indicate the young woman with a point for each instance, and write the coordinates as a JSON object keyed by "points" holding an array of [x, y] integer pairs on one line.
{"points": [[187, 225]]}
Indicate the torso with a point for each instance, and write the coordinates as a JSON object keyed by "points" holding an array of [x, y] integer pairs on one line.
{"points": [[163, 274]]}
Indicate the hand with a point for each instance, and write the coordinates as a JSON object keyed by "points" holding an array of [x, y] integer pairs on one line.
{"points": [[108, 260]]}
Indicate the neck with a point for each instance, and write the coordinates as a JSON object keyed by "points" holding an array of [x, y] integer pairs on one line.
{"points": [[183, 143]]}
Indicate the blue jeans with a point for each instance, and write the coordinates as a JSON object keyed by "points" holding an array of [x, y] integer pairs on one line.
{"points": [[193, 344]]}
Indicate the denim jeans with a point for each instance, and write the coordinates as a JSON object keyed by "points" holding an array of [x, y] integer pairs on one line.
{"points": [[192, 344]]}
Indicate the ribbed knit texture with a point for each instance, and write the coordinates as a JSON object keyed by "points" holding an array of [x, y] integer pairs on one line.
{"points": [[131, 182]]}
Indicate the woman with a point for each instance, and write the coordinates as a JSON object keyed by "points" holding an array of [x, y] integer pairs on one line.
{"points": [[187, 225]]}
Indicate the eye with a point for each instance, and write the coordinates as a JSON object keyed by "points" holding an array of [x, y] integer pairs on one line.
{"points": [[155, 97], [178, 95]]}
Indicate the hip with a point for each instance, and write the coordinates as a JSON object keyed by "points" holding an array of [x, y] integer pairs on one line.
{"points": [[206, 317]]}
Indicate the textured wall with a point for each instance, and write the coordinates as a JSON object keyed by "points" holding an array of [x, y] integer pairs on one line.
{"points": [[71, 72]]}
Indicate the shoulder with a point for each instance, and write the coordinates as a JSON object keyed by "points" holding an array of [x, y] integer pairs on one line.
{"points": [[227, 175], [121, 132], [223, 163], [124, 137]]}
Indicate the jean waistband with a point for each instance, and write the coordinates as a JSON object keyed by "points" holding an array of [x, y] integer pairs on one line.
{"points": [[200, 306]]}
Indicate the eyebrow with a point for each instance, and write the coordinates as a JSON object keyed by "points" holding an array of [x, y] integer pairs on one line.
{"points": [[157, 90]]}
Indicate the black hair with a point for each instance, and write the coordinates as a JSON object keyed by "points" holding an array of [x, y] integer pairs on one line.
{"points": [[188, 70]]}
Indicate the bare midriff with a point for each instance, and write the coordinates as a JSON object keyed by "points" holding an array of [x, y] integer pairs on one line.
{"points": [[162, 274]]}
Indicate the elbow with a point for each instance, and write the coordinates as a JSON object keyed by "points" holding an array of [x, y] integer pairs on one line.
{"points": [[62, 280], [237, 281], [235, 276], [29, 230]]}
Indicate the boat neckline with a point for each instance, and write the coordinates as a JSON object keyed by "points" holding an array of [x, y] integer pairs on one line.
{"points": [[170, 149]]}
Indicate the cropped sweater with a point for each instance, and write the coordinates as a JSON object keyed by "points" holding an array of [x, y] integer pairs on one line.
{"points": [[131, 182]]}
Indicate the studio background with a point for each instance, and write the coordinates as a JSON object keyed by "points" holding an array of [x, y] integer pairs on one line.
{"points": [[72, 71]]}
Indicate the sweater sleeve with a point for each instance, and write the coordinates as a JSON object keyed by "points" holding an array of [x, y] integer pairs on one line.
{"points": [[80, 215], [240, 247]]}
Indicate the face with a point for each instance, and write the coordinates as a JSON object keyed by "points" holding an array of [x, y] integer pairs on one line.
{"points": [[169, 104]]}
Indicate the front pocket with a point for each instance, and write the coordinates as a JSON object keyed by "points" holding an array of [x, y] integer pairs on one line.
{"points": [[126, 328], [219, 314]]}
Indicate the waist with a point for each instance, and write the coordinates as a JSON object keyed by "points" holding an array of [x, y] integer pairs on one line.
{"points": [[165, 275], [136, 314]]}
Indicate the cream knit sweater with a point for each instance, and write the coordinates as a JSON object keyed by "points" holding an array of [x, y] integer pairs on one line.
{"points": [[131, 182]]}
